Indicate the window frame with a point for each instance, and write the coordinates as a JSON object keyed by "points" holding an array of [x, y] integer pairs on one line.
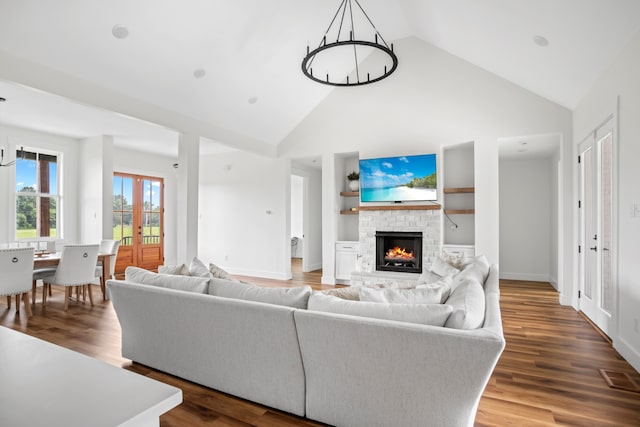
{"points": [[38, 195]]}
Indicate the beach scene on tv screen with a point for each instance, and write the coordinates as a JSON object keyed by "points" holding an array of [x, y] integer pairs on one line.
{"points": [[398, 179]]}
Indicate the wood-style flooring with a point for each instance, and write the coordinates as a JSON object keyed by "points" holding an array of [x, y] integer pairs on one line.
{"points": [[547, 375]]}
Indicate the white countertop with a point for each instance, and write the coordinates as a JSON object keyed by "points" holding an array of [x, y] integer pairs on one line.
{"points": [[42, 384]]}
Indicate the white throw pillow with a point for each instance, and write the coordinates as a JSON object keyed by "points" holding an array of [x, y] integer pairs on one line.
{"points": [[442, 268], [198, 269], [291, 297], [471, 272], [428, 277], [422, 295], [455, 260], [426, 314], [180, 270], [468, 304], [481, 262], [219, 273], [182, 283]]}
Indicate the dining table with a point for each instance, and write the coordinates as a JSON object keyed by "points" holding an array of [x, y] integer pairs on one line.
{"points": [[52, 259]]}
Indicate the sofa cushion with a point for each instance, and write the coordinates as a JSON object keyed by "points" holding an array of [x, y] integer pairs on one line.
{"points": [[443, 268], [426, 314], [468, 304], [471, 272], [424, 294], [290, 297], [180, 270], [182, 283]]}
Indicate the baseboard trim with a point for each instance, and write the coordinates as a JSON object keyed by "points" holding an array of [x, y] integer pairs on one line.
{"points": [[525, 276], [314, 267], [628, 352], [260, 273]]}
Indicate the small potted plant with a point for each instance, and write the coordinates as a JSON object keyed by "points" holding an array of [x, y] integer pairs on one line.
{"points": [[354, 181]]}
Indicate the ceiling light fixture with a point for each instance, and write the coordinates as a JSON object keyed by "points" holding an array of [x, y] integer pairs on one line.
{"points": [[120, 31], [327, 56], [541, 41]]}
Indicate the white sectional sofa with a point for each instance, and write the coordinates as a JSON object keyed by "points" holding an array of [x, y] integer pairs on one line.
{"points": [[339, 369]]}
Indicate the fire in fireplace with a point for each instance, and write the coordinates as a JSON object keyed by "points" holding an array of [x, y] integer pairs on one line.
{"points": [[399, 251]]}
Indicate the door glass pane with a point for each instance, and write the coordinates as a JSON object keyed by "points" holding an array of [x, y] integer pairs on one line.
{"points": [[589, 225], [123, 210], [605, 217]]}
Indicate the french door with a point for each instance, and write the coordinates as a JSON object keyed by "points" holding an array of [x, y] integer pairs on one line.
{"points": [[138, 217], [597, 285]]}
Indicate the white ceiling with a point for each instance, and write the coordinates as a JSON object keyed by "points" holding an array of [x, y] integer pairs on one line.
{"points": [[253, 48]]}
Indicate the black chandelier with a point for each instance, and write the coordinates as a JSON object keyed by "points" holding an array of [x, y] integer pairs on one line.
{"points": [[383, 60]]}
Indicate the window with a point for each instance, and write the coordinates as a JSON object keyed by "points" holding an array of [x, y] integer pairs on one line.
{"points": [[37, 195]]}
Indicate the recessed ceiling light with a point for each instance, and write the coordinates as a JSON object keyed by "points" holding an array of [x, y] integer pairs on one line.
{"points": [[252, 100], [541, 41], [523, 142], [199, 73], [120, 31]]}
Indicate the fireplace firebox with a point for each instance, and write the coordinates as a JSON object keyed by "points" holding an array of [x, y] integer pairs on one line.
{"points": [[399, 251]]}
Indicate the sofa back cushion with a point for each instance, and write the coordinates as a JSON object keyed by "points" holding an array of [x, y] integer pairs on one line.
{"points": [[180, 270], [468, 302], [290, 297], [182, 283], [424, 294], [426, 314], [481, 262]]}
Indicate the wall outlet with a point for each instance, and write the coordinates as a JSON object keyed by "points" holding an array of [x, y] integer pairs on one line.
{"points": [[635, 210]]}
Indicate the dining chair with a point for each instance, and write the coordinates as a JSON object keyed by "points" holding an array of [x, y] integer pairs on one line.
{"points": [[107, 247], [17, 268], [76, 268]]}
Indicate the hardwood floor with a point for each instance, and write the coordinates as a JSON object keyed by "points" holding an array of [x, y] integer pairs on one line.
{"points": [[547, 375]]}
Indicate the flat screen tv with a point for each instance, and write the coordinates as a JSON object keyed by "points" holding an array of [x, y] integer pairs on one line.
{"points": [[398, 179]]}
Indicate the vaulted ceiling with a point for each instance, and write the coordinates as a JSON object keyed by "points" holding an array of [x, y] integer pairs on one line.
{"points": [[251, 50]]}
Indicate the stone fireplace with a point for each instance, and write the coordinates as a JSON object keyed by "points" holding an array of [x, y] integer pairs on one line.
{"points": [[399, 251], [412, 219]]}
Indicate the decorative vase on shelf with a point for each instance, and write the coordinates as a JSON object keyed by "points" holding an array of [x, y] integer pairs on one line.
{"points": [[354, 181]]}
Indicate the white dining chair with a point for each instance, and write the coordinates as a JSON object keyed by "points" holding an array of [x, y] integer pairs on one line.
{"points": [[107, 247], [16, 266], [76, 268]]}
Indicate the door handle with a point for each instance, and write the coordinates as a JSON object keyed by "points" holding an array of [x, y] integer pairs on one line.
{"points": [[595, 248], [605, 249]]}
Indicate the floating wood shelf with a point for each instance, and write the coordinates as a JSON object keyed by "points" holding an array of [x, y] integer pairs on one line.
{"points": [[453, 190], [400, 207], [349, 193], [349, 212], [459, 211]]}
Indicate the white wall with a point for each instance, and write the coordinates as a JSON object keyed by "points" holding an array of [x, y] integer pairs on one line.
{"points": [[617, 92], [146, 164], [297, 193], [96, 189], [10, 138], [244, 214], [433, 99], [525, 219]]}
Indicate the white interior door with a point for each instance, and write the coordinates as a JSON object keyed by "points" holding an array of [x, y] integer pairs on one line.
{"points": [[597, 287]]}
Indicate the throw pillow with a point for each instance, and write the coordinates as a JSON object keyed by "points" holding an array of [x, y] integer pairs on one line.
{"points": [[182, 283], [423, 295], [468, 305], [481, 262], [455, 260], [442, 268], [219, 273], [290, 297], [198, 269], [179, 270], [351, 293], [428, 277], [471, 272], [426, 314]]}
